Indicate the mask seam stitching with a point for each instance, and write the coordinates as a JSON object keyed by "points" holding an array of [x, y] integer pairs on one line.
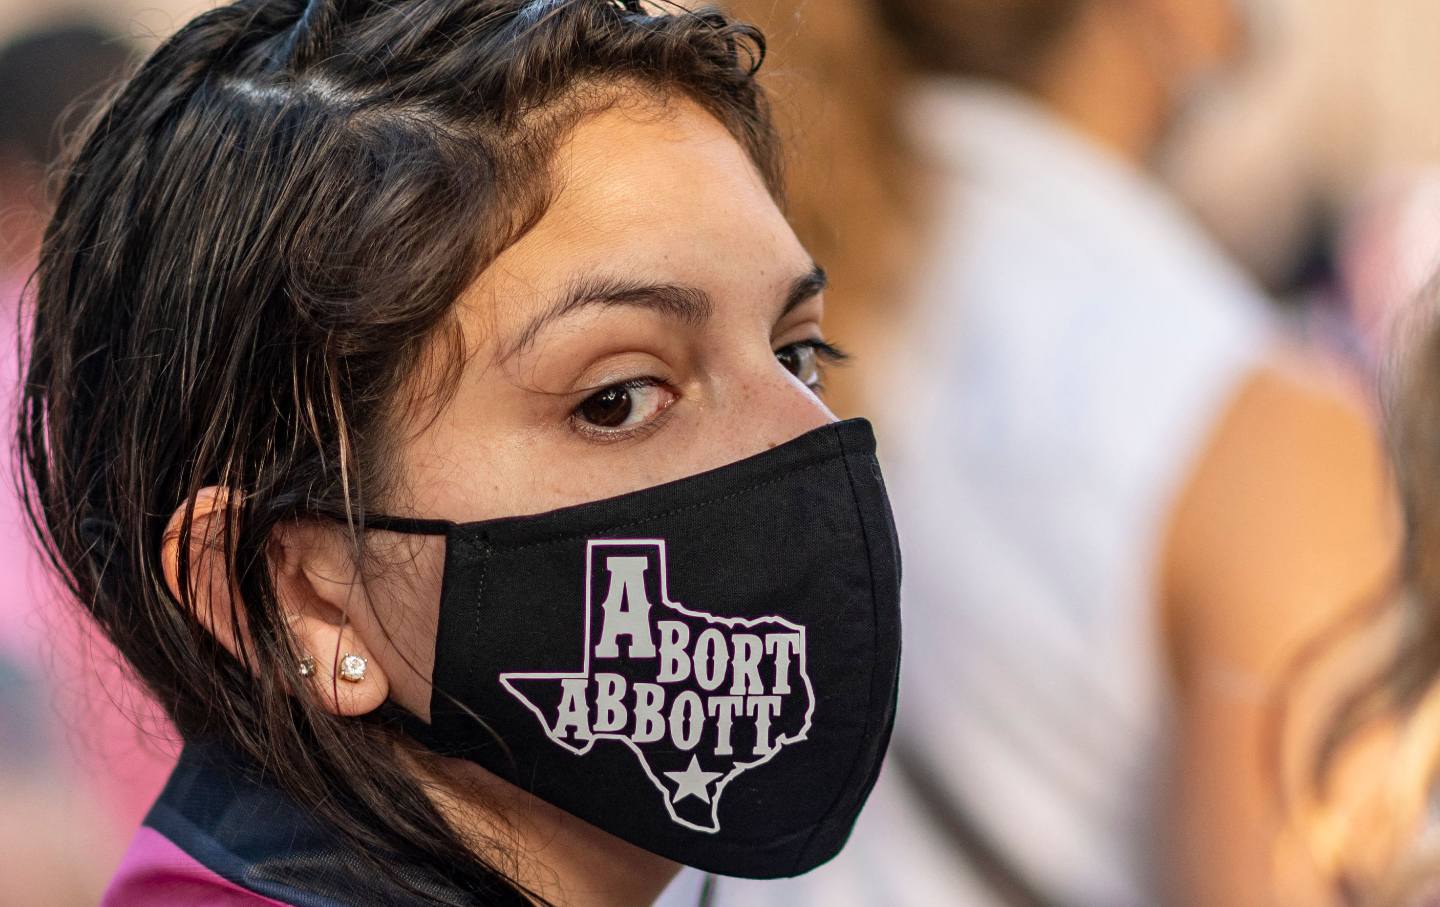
{"points": [[475, 630], [874, 644]]}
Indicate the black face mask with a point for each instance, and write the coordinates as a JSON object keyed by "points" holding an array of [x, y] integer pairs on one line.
{"points": [[706, 669]]}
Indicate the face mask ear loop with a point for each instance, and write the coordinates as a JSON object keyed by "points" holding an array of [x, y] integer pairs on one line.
{"points": [[407, 525], [384, 523]]}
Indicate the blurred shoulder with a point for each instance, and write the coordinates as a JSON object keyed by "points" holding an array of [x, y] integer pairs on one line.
{"points": [[1289, 518], [1297, 423]]}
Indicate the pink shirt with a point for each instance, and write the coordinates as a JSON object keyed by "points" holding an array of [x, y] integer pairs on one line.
{"points": [[156, 871]]}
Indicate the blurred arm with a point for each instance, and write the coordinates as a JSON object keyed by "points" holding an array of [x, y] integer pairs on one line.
{"points": [[1287, 524]]}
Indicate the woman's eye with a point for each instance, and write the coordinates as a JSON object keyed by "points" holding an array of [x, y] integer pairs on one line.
{"points": [[800, 361], [806, 360], [623, 406]]}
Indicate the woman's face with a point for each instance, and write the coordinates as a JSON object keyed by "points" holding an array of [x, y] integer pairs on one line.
{"points": [[661, 319]]}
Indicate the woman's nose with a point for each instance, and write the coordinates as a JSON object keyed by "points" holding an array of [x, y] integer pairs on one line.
{"points": [[774, 408]]}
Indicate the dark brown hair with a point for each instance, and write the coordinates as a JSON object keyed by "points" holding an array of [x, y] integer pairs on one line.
{"points": [[254, 243]]}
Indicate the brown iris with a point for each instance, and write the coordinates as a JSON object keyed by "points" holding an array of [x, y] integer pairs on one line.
{"points": [[609, 408]]}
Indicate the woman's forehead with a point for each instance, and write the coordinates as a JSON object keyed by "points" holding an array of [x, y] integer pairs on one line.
{"points": [[644, 167], [649, 194]]}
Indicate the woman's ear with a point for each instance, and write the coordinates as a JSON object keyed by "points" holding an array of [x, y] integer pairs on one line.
{"points": [[320, 595]]}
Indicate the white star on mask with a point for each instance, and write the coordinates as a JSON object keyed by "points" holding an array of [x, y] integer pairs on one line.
{"points": [[692, 782]]}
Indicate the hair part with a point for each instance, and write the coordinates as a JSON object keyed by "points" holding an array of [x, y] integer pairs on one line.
{"points": [[254, 245]]}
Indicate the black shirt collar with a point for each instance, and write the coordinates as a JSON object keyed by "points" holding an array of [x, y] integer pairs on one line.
{"points": [[223, 812]]}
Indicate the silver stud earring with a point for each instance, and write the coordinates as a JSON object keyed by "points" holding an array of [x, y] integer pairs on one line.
{"points": [[306, 668], [352, 668]]}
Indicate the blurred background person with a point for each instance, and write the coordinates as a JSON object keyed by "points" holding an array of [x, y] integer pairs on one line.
{"points": [[76, 767], [1317, 170], [1127, 502], [1364, 774]]}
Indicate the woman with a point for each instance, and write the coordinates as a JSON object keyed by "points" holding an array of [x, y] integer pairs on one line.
{"points": [[1126, 507], [1361, 773], [423, 398]]}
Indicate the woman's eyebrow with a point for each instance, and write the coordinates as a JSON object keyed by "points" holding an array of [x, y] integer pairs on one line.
{"points": [[685, 303], [805, 288], [689, 304]]}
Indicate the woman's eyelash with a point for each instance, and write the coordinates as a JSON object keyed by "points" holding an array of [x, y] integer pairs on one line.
{"points": [[629, 385], [636, 383], [826, 351]]}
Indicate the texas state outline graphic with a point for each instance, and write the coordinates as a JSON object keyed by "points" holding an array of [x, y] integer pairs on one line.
{"points": [[698, 698]]}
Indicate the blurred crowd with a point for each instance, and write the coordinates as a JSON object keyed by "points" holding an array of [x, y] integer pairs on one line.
{"points": [[1132, 285]]}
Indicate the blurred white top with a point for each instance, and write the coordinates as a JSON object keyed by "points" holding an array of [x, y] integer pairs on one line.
{"points": [[1074, 342]]}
